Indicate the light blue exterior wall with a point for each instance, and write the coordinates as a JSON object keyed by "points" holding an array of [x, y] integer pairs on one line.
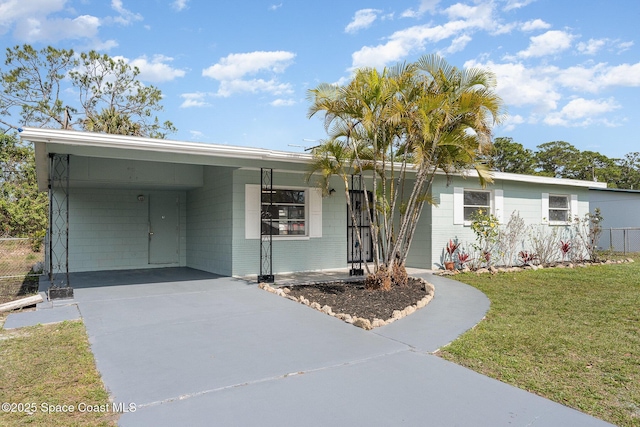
{"points": [[523, 197], [300, 254], [109, 229], [109, 225], [618, 208], [210, 222]]}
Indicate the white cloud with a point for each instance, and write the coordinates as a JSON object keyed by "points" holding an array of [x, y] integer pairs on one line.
{"points": [[583, 112], [156, 69], [237, 65], [535, 24], [45, 30], [511, 122], [621, 75], [275, 6], [598, 77], [273, 86], [126, 17], [14, 11], [458, 44], [592, 46], [232, 70], [283, 102], [424, 7], [549, 43], [413, 39], [362, 19], [196, 134], [517, 4], [100, 45], [179, 5], [544, 88], [521, 86], [622, 46], [195, 99]]}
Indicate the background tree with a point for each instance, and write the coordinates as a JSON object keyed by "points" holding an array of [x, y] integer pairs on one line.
{"points": [[506, 155], [426, 116], [593, 166], [34, 87], [23, 210], [629, 168], [57, 88], [555, 158]]}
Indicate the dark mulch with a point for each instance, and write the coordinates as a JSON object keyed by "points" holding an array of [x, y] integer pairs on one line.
{"points": [[352, 298]]}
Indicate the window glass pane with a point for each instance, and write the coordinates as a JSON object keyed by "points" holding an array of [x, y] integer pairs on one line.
{"points": [[468, 211], [287, 213], [476, 198], [558, 202], [558, 215], [284, 228], [284, 196]]}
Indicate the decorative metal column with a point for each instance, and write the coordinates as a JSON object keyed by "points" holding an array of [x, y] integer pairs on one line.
{"points": [[266, 226], [59, 227], [357, 204]]}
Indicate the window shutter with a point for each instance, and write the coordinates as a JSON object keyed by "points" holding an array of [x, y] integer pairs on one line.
{"points": [[498, 205], [252, 207], [574, 207], [458, 205], [545, 208], [315, 212]]}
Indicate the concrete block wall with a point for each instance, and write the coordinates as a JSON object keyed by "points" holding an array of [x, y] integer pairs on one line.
{"points": [[307, 254], [209, 222], [523, 197], [108, 229]]}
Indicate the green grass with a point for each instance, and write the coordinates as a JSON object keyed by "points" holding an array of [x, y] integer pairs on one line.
{"points": [[570, 335], [50, 364]]}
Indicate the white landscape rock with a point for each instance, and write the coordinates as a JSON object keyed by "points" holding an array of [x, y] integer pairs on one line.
{"points": [[362, 323], [357, 321]]}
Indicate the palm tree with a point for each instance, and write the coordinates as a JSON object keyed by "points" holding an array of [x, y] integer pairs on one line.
{"points": [[109, 120], [417, 118]]}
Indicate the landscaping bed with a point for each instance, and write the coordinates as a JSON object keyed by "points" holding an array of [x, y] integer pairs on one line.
{"points": [[352, 302]]}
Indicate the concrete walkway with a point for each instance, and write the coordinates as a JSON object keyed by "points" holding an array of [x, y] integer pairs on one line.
{"points": [[190, 348]]}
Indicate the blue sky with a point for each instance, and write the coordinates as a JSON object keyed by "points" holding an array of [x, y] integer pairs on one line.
{"points": [[237, 72]]}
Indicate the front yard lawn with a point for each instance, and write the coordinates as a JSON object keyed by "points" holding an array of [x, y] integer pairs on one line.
{"points": [[570, 335], [44, 370]]}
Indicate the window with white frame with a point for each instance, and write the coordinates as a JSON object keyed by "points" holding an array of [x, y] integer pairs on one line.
{"points": [[296, 211], [559, 208], [284, 210], [474, 201], [467, 201]]}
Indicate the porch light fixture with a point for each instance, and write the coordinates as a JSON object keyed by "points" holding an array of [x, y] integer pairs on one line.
{"points": [[141, 198]]}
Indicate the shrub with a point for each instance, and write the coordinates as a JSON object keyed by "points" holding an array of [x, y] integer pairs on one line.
{"points": [[510, 236], [380, 280], [399, 276], [544, 243], [486, 228], [588, 231], [565, 247]]}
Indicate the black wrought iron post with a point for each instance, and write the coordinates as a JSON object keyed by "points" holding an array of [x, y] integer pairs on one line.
{"points": [[59, 227], [266, 226], [356, 228]]}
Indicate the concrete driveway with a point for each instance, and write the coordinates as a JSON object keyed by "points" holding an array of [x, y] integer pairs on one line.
{"points": [[190, 348]]}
